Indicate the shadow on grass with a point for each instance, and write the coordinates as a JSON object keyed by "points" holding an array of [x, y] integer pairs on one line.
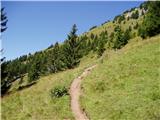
{"points": [[18, 89], [26, 86]]}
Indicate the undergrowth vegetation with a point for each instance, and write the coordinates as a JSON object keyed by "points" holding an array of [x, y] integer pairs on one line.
{"points": [[59, 91]]}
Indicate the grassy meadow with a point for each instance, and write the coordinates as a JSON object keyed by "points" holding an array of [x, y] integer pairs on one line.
{"points": [[35, 102], [126, 85]]}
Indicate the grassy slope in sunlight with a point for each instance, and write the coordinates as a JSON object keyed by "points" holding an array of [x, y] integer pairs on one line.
{"points": [[126, 86], [35, 103]]}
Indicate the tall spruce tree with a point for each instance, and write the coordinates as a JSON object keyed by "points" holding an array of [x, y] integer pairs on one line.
{"points": [[3, 20], [118, 38], [71, 49], [34, 71], [103, 39], [94, 42], [84, 48], [151, 23], [5, 84], [126, 37], [55, 62]]}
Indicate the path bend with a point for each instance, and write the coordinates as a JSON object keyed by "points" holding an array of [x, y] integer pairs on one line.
{"points": [[75, 90]]}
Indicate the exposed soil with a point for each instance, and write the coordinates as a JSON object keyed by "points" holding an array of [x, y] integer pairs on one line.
{"points": [[75, 93]]}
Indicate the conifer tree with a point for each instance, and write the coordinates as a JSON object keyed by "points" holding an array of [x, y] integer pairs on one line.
{"points": [[94, 43], [151, 23], [84, 48], [126, 37], [34, 71], [71, 49], [3, 20], [5, 84], [118, 38], [100, 48], [56, 63], [135, 15], [103, 39]]}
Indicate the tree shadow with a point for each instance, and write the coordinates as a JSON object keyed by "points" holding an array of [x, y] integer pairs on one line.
{"points": [[26, 86], [18, 89]]}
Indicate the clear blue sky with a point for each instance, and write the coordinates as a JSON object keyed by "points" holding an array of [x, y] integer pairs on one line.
{"points": [[34, 26]]}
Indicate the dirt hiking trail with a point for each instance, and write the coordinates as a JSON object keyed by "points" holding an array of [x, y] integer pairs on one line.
{"points": [[75, 91]]}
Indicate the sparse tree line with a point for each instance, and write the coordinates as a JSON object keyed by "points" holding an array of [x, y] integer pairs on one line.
{"points": [[134, 13], [67, 55]]}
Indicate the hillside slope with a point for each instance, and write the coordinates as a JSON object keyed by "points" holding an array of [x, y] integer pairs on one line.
{"points": [[126, 85], [67, 55], [36, 103]]}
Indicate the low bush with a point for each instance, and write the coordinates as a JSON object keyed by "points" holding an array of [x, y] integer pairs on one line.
{"points": [[59, 91], [92, 27]]}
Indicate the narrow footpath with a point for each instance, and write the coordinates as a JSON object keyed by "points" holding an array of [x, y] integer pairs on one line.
{"points": [[75, 91]]}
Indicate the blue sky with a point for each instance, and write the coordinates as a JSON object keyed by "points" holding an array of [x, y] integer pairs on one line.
{"points": [[34, 26]]}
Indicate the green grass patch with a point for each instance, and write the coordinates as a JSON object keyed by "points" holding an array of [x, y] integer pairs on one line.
{"points": [[126, 86], [35, 102]]}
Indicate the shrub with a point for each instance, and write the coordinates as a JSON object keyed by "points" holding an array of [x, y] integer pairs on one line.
{"points": [[116, 18], [151, 23], [121, 18], [92, 27], [135, 15], [136, 26], [51, 46], [130, 28], [105, 22], [59, 91], [142, 32]]}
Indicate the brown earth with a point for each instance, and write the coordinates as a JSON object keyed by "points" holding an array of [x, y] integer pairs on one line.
{"points": [[75, 93]]}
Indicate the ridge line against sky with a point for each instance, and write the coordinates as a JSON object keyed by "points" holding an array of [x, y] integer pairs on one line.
{"points": [[34, 26]]}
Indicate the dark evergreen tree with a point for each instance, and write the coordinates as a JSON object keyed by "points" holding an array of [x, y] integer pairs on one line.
{"points": [[135, 15], [3, 20], [151, 23], [92, 27], [120, 38], [93, 41], [110, 41], [43, 63], [136, 26], [126, 37], [116, 18], [142, 32], [84, 46], [121, 18], [56, 63], [71, 49], [34, 71], [5, 84]]}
